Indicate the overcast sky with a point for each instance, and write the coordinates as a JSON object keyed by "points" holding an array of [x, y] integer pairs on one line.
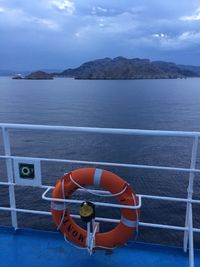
{"points": [[65, 33]]}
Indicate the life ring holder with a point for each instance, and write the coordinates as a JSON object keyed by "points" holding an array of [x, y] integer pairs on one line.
{"points": [[73, 233]]}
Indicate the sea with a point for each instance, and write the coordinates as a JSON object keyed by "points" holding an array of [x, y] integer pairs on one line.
{"points": [[172, 104]]}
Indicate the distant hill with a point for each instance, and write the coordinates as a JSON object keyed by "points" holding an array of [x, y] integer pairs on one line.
{"points": [[113, 69], [39, 75], [195, 69], [123, 68], [24, 72]]}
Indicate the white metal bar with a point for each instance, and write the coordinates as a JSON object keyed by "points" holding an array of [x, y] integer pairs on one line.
{"points": [[10, 175], [6, 183], [112, 164], [102, 219], [190, 189], [102, 204], [39, 186], [38, 212], [194, 201], [100, 130], [191, 242], [163, 226]]}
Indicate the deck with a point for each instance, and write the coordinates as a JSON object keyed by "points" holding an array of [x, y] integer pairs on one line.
{"points": [[38, 248]]}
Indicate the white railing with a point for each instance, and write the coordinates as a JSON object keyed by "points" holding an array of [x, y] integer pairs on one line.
{"points": [[188, 228]]}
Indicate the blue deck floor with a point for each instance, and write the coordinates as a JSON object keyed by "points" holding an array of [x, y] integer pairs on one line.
{"points": [[28, 248]]}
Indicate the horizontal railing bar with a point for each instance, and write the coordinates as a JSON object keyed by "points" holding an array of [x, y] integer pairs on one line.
{"points": [[171, 199], [100, 163], [97, 203], [194, 201], [39, 186], [102, 219], [122, 206], [171, 227], [99, 130], [38, 212], [7, 183]]}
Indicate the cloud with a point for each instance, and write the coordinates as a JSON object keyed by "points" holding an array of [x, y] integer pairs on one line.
{"points": [[99, 11], [52, 25], [19, 18], [2, 10], [64, 5], [195, 16], [159, 35], [106, 27], [190, 37], [179, 42], [71, 30]]}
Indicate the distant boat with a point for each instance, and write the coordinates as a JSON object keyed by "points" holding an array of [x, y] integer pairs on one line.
{"points": [[18, 77]]}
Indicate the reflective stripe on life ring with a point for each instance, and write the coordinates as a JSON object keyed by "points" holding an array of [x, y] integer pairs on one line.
{"points": [[110, 182], [97, 176]]}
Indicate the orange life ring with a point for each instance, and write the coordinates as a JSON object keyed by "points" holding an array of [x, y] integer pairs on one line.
{"points": [[109, 181]]}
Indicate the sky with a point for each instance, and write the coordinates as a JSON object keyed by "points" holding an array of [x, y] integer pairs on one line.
{"points": [[58, 34]]}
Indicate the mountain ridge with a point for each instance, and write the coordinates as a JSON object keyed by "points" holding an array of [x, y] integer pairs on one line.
{"points": [[124, 68]]}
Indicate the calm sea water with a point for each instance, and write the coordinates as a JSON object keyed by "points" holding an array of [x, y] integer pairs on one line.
{"points": [[141, 104]]}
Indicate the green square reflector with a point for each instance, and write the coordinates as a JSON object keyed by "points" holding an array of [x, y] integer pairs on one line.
{"points": [[26, 171]]}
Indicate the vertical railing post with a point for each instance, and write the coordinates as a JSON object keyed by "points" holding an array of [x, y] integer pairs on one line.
{"points": [[188, 218], [191, 245], [10, 175]]}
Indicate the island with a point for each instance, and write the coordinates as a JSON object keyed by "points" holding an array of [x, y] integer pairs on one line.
{"points": [[121, 68], [39, 75], [17, 77]]}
